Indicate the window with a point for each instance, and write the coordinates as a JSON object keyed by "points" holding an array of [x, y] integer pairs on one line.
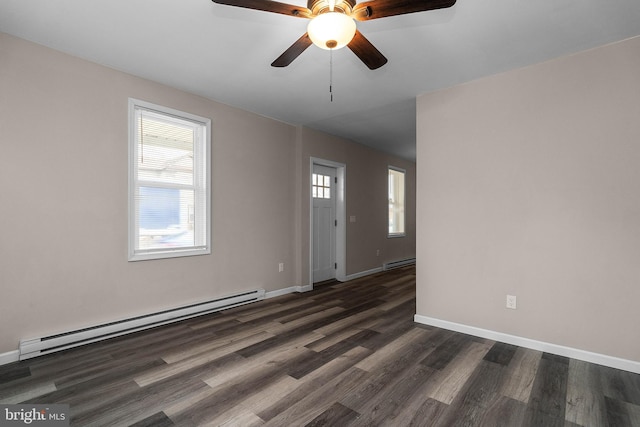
{"points": [[169, 180], [396, 202], [320, 186]]}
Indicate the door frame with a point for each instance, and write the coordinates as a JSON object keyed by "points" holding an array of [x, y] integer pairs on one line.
{"points": [[341, 217]]}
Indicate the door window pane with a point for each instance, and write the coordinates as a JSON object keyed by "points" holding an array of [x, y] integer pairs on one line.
{"points": [[320, 186]]}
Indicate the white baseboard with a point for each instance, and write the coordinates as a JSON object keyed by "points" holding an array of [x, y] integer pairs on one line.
{"points": [[9, 357], [289, 290], [362, 274], [280, 292], [574, 353]]}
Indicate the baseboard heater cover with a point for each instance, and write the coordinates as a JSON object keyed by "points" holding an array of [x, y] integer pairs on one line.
{"points": [[395, 264], [44, 345]]}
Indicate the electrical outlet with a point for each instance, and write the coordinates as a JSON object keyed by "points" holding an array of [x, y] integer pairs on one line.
{"points": [[511, 302], [378, 252], [281, 267]]}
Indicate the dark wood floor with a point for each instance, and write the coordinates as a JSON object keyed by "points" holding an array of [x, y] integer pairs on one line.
{"points": [[343, 355]]}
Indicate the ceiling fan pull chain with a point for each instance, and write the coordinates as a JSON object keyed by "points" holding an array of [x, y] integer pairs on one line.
{"points": [[331, 74]]}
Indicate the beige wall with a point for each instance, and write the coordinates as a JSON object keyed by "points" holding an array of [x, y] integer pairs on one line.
{"points": [[63, 189], [529, 185]]}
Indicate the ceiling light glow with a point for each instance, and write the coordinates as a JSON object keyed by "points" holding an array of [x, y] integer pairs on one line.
{"points": [[331, 30]]}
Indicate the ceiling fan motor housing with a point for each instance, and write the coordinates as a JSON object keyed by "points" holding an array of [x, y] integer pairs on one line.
{"points": [[318, 7]]}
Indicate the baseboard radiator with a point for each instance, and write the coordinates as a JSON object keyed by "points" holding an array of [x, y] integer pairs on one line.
{"points": [[395, 264], [52, 343]]}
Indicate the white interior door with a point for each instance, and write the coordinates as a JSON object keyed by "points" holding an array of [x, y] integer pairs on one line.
{"points": [[323, 192]]}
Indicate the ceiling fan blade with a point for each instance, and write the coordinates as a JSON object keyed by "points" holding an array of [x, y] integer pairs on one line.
{"points": [[293, 52], [269, 6], [380, 8], [367, 52]]}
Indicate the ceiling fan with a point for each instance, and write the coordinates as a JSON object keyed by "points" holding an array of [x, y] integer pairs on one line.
{"points": [[332, 23]]}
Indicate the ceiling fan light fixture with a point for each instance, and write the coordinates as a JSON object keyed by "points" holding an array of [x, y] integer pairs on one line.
{"points": [[331, 30]]}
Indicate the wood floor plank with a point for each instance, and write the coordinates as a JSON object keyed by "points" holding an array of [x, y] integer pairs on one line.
{"points": [[296, 314], [260, 402], [387, 404], [43, 369], [206, 359], [133, 407], [279, 339], [427, 414], [388, 370], [634, 413], [585, 401], [504, 412], [315, 360], [277, 310], [334, 338], [279, 356], [398, 300], [26, 392], [237, 417], [10, 373], [227, 397], [95, 389], [620, 385], [547, 403], [247, 335], [335, 415], [225, 402], [306, 323], [445, 352], [617, 413], [109, 371], [520, 374], [308, 408], [159, 419], [318, 379], [363, 319], [476, 396], [501, 353], [88, 401], [390, 350], [446, 384]]}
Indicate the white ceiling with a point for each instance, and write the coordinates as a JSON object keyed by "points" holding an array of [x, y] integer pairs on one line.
{"points": [[224, 53]]}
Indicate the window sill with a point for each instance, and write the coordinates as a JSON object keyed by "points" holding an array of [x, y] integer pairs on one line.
{"points": [[170, 253]]}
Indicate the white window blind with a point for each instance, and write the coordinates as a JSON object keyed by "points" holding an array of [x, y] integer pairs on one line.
{"points": [[169, 180]]}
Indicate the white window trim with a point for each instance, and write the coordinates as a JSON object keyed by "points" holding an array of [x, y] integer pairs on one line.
{"points": [[132, 220], [404, 210]]}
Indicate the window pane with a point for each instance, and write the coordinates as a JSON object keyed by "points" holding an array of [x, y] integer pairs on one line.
{"points": [[164, 218], [327, 181], [327, 193], [396, 194], [314, 179]]}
